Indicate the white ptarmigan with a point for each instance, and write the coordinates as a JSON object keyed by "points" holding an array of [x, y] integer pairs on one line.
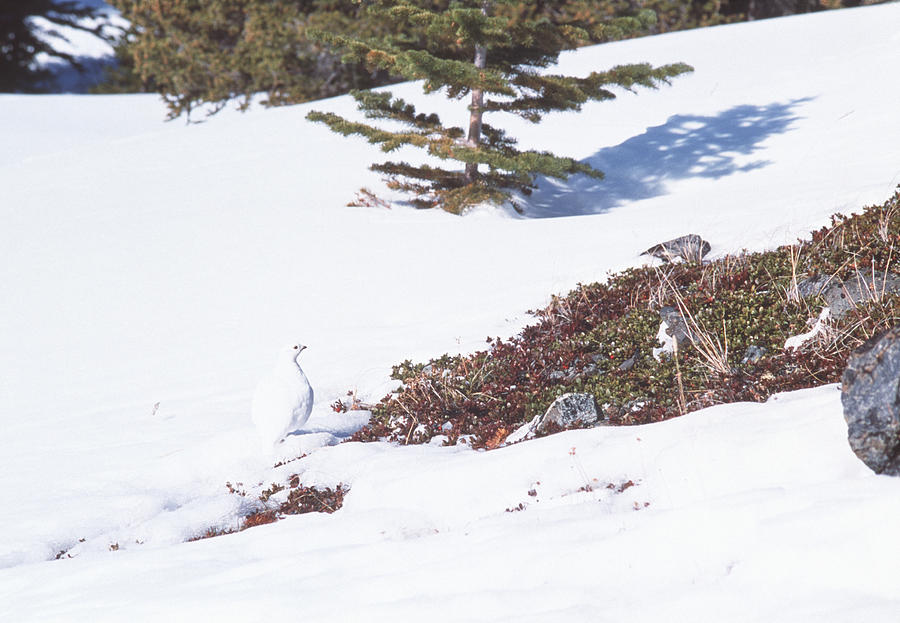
{"points": [[284, 399]]}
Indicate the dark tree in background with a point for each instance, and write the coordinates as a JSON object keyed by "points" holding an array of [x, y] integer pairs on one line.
{"points": [[764, 9], [492, 58], [205, 53], [21, 38], [197, 52]]}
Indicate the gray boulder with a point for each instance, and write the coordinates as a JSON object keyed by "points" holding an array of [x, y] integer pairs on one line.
{"points": [[842, 296], [570, 410], [567, 411], [870, 394], [676, 326], [815, 286], [690, 248]]}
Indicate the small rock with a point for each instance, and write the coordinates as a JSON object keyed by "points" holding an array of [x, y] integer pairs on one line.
{"points": [[813, 286], [628, 364], [753, 354], [569, 410], [869, 394], [690, 248], [676, 326]]}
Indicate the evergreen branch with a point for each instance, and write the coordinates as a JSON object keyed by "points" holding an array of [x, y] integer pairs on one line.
{"points": [[466, 25], [641, 74], [449, 188], [623, 27], [388, 141], [495, 138], [531, 108], [525, 163], [472, 27], [457, 200], [442, 179], [439, 178], [459, 77], [559, 89], [568, 93], [354, 50], [541, 162], [379, 105]]}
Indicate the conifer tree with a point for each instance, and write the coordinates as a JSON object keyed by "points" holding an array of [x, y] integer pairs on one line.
{"points": [[493, 58], [206, 53]]}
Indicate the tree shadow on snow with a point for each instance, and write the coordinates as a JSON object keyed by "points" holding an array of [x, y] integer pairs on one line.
{"points": [[686, 146]]}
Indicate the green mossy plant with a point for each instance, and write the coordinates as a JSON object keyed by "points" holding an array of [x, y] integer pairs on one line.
{"points": [[582, 340]]}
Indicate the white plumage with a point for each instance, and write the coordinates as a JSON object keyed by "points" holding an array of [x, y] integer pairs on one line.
{"points": [[284, 399]]}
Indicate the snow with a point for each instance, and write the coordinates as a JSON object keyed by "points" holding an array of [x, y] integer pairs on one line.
{"points": [[525, 431], [667, 341], [150, 269]]}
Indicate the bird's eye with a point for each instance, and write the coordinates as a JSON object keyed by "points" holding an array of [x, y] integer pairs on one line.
{"points": [[296, 347]]}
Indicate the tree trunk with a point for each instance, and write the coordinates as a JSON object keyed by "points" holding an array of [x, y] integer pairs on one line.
{"points": [[477, 107]]}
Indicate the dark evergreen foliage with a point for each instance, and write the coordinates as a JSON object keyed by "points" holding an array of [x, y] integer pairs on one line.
{"points": [[475, 49], [21, 39], [205, 53], [122, 76]]}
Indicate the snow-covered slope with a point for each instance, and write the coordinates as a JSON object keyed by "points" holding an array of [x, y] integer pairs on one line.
{"points": [[150, 272], [738, 513]]}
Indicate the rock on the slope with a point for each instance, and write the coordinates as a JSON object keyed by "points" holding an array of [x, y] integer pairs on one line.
{"points": [[673, 331], [870, 387], [570, 410], [676, 326], [567, 411], [753, 354], [628, 364], [690, 248], [842, 296]]}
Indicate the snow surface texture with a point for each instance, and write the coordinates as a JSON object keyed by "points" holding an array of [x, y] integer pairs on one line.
{"points": [[283, 399], [149, 270]]}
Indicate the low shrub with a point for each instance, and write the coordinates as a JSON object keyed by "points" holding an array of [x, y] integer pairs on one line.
{"points": [[601, 338], [300, 500]]}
